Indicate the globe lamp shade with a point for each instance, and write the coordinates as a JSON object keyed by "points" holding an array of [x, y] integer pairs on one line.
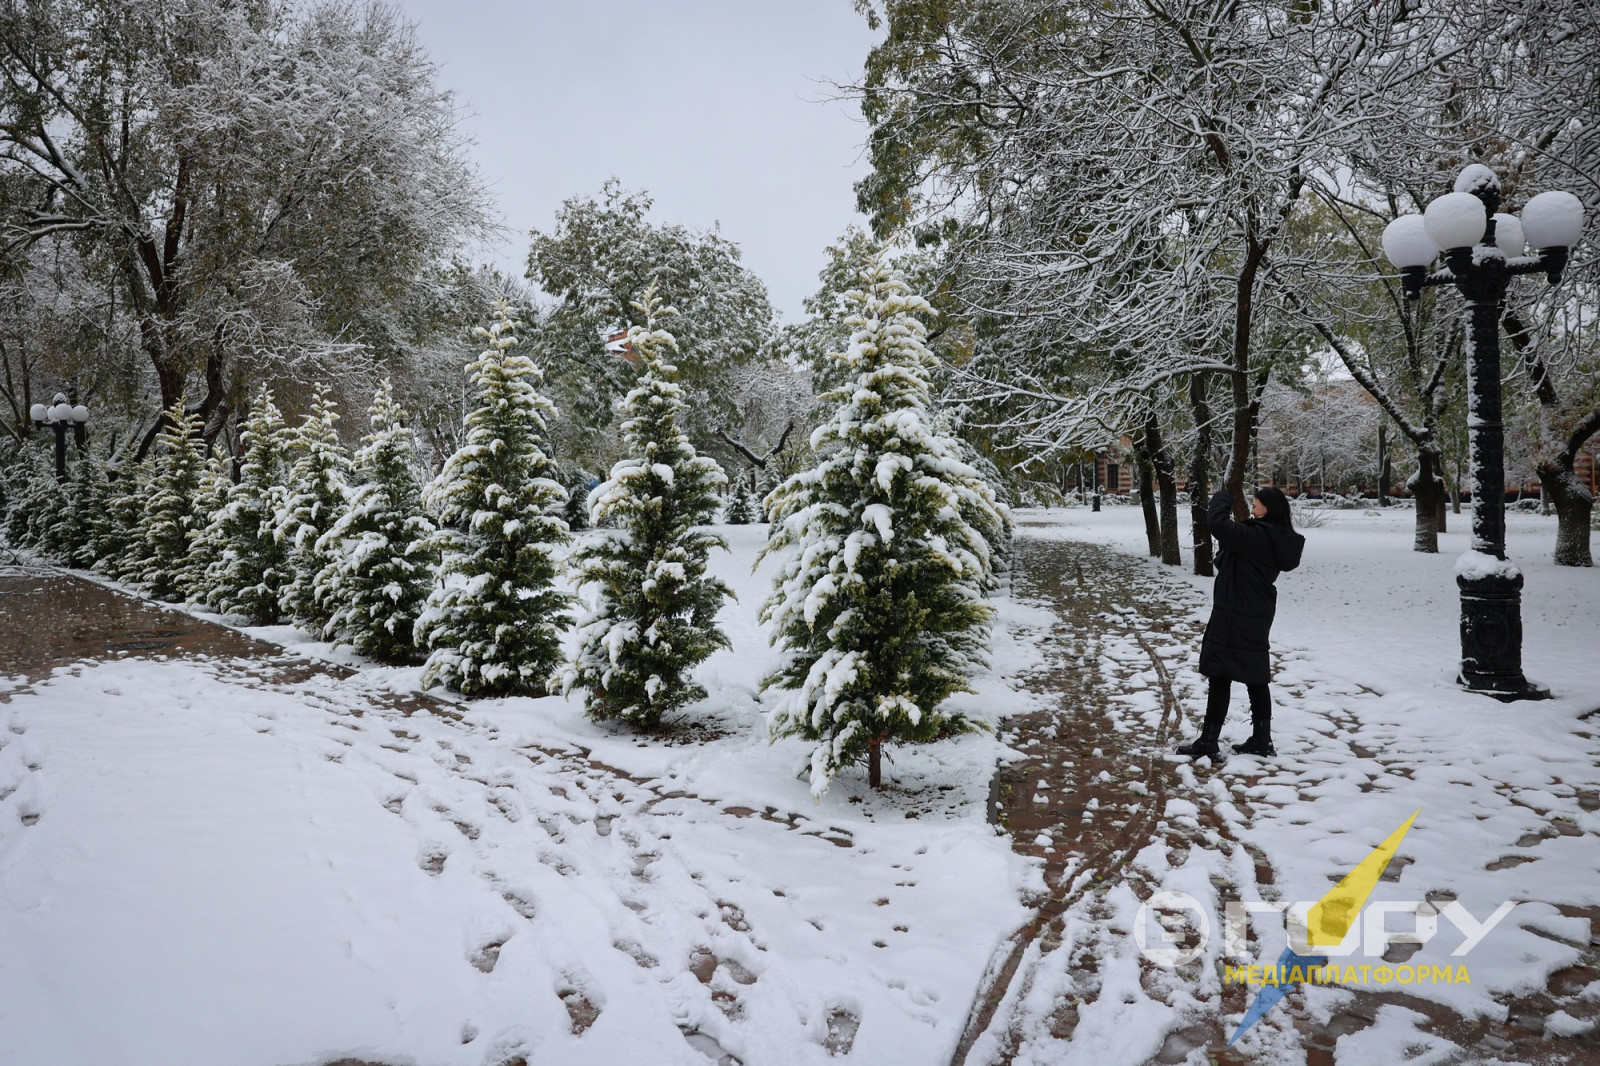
{"points": [[1456, 220], [1553, 220], [80, 413], [1508, 236], [1407, 244]]}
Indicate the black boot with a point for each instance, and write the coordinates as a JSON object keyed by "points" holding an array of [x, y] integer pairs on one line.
{"points": [[1216, 710], [1260, 742]]}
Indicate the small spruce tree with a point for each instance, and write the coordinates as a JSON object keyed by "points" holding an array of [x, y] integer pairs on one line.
{"points": [[381, 559], [314, 498], [170, 511], [879, 605], [251, 566], [34, 498], [88, 490], [211, 498], [117, 532], [653, 608], [494, 621], [741, 509]]}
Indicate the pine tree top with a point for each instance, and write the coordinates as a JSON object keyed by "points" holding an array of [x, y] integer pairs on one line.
{"points": [[264, 437], [661, 459], [504, 464]]}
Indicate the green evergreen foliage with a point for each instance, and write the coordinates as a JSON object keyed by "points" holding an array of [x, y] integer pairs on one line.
{"points": [[314, 499], [653, 608], [211, 498], [494, 622], [742, 509], [381, 558], [577, 481], [879, 606], [87, 488], [117, 534], [158, 558], [33, 496], [252, 565]]}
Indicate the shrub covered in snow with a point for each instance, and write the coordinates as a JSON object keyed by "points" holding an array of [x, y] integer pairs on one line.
{"points": [[251, 564], [879, 605], [313, 500], [652, 614], [741, 509], [493, 623], [380, 556], [171, 515]]}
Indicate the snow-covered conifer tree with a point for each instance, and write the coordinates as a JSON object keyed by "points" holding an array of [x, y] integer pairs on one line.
{"points": [[33, 496], [381, 561], [313, 501], [879, 606], [87, 491], [494, 621], [653, 608], [741, 508], [251, 566], [170, 514], [211, 498], [117, 533]]}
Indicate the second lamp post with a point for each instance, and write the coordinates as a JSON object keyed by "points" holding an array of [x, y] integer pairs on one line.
{"points": [[1483, 251]]}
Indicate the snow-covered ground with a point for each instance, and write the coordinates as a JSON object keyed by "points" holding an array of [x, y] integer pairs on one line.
{"points": [[197, 868]]}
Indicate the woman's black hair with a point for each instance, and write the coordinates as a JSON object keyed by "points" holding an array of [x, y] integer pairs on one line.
{"points": [[1277, 505]]}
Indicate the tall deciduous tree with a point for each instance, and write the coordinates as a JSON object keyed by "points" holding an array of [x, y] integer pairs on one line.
{"points": [[1120, 177], [262, 178], [879, 605], [598, 260]]}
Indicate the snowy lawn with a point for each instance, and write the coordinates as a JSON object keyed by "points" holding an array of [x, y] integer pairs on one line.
{"points": [[198, 870]]}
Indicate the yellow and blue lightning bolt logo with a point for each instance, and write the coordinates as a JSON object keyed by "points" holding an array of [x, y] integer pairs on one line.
{"points": [[1327, 923]]}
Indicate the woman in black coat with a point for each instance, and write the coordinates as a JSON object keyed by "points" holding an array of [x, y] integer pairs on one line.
{"points": [[1235, 647]]}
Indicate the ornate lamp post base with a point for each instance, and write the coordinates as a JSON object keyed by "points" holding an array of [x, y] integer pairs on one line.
{"points": [[1491, 637]]}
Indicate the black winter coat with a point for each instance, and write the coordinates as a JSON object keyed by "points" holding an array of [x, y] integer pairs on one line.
{"points": [[1252, 555]]}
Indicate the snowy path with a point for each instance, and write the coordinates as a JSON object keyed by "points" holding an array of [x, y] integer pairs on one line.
{"points": [[1122, 820]]}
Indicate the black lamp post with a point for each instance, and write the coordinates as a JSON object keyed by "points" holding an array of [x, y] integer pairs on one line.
{"points": [[59, 415], [1483, 251]]}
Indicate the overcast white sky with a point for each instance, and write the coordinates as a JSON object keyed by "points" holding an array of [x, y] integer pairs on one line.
{"points": [[713, 106]]}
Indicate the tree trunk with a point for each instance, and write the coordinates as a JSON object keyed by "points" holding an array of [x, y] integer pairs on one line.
{"points": [[1199, 473], [1167, 481], [875, 762], [1573, 505], [1383, 464], [1147, 501], [1428, 492]]}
